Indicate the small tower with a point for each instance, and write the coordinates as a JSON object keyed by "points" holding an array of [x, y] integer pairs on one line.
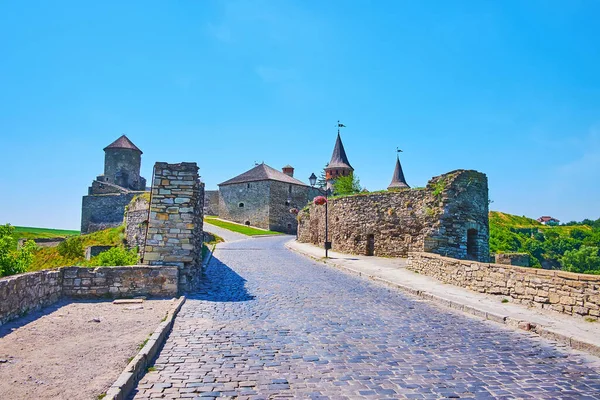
{"points": [[122, 163], [398, 181], [288, 170], [339, 164]]}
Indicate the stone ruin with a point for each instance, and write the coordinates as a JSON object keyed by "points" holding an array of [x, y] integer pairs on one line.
{"points": [[448, 217]]}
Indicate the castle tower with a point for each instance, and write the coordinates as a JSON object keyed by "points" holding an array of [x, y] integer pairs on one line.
{"points": [[339, 164], [122, 163], [398, 181]]}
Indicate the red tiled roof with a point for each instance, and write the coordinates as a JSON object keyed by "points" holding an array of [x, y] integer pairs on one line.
{"points": [[122, 143]]}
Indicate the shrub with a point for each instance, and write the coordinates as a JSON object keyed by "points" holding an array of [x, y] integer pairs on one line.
{"points": [[114, 257], [586, 260], [345, 185], [14, 261], [71, 248]]}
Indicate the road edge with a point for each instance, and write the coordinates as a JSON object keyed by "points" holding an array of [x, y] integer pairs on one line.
{"points": [[515, 324], [138, 366]]}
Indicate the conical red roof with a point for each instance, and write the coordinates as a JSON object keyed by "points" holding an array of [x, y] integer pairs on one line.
{"points": [[122, 143]]}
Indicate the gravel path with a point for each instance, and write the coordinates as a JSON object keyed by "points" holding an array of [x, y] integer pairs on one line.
{"points": [[62, 352], [271, 324]]}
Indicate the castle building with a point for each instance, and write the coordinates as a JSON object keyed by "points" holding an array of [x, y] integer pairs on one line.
{"points": [[104, 205], [398, 180], [338, 165], [263, 197]]}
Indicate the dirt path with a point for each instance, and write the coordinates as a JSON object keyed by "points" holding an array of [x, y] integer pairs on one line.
{"points": [[63, 352]]}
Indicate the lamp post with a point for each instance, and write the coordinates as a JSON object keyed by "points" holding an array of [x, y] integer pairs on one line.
{"points": [[313, 180]]}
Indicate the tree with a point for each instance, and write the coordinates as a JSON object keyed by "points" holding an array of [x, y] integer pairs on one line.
{"points": [[322, 180], [14, 261], [345, 185], [586, 259]]}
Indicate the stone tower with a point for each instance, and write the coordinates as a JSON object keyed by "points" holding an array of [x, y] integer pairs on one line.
{"points": [[122, 163], [398, 181], [339, 164]]}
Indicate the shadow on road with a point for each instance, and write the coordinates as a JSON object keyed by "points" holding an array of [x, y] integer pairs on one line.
{"points": [[220, 283]]}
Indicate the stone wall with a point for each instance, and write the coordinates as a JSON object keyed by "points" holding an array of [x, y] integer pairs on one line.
{"points": [[42, 242], [122, 168], [103, 211], [23, 293], [93, 251], [136, 222], [20, 294], [448, 217], [175, 225], [566, 292], [519, 259], [246, 203], [128, 281], [284, 197], [211, 202]]}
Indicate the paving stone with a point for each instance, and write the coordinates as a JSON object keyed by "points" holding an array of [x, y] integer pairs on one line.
{"points": [[267, 323]]}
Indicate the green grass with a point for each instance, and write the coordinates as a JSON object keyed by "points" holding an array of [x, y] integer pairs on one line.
{"points": [[26, 232], [243, 229]]}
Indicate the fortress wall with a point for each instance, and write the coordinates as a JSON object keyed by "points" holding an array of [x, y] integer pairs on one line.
{"points": [[136, 222], [103, 211], [175, 226], [565, 292], [211, 202], [255, 199], [448, 217]]}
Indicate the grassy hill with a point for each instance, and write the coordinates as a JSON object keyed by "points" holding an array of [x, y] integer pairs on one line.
{"points": [[545, 244], [26, 232]]}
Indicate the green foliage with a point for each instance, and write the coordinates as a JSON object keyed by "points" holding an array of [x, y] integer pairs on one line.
{"points": [[584, 260], [14, 261], [322, 179], [346, 185], [116, 256], [548, 246], [439, 187], [71, 248]]}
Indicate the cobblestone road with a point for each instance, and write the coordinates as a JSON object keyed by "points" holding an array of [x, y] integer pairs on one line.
{"points": [[271, 324]]}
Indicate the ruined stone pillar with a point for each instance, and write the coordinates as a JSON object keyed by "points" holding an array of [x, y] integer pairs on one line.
{"points": [[175, 224]]}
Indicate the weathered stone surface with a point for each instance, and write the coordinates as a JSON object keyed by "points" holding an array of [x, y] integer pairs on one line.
{"points": [[175, 226], [448, 217], [93, 251], [519, 259], [570, 294]]}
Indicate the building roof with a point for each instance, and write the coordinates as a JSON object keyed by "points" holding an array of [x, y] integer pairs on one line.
{"points": [[398, 181], [122, 143], [547, 218], [339, 158], [262, 172]]}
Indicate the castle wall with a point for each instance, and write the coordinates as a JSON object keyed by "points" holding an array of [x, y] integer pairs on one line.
{"points": [[122, 167], [448, 217], [255, 199], [175, 225], [136, 222], [103, 211], [283, 197], [211, 202], [566, 292]]}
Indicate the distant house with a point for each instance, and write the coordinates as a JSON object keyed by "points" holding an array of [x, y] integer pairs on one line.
{"points": [[547, 220]]}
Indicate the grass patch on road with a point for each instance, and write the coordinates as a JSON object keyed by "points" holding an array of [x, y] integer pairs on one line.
{"points": [[239, 228]]}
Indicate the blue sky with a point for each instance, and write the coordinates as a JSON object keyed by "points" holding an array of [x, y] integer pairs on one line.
{"points": [[509, 88]]}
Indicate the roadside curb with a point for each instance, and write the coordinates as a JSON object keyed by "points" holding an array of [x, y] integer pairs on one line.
{"points": [[515, 324], [137, 368]]}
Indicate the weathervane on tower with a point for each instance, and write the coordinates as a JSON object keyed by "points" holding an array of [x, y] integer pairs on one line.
{"points": [[340, 125]]}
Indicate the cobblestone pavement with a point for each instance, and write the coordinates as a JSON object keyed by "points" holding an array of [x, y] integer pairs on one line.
{"points": [[271, 324]]}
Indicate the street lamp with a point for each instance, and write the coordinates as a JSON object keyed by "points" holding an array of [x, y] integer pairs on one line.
{"points": [[313, 180]]}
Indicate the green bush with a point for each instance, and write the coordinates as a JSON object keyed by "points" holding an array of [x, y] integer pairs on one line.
{"points": [[14, 261], [586, 260], [71, 248], [114, 257], [346, 185]]}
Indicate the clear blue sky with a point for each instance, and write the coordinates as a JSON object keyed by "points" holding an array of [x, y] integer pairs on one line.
{"points": [[509, 88]]}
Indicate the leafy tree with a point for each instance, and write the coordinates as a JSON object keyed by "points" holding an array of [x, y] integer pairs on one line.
{"points": [[586, 259], [14, 261], [345, 185], [114, 257]]}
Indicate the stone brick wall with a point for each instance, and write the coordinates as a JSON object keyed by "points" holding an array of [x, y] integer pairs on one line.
{"points": [[520, 259], [246, 203], [122, 167], [103, 211], [283, 197], [136, 222], [127, 281], [566, 292], [211, 202], [22, 293], [175, 227], [448, 217]]}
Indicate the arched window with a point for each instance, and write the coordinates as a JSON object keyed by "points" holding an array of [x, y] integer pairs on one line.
{"points": [[241, 205], [472, 243], [247, 223]]}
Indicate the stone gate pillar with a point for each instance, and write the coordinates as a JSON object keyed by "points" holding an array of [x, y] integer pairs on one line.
{"points": [[175, 225]]}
